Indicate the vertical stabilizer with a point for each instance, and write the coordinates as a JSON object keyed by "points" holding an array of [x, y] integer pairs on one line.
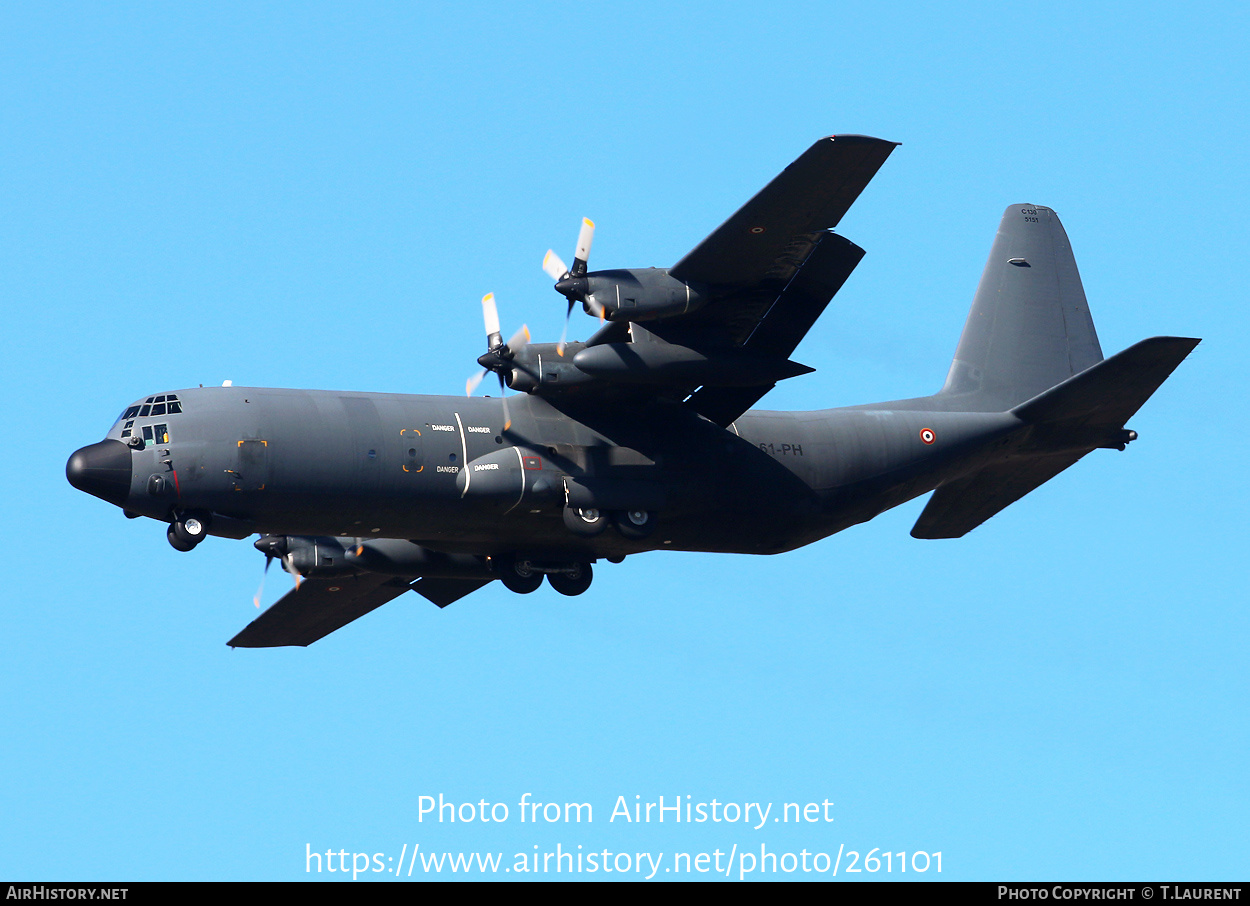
{"points": [[1030, 326]]}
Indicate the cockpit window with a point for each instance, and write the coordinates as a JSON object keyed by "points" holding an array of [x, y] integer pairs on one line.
{"points": [[154, 406], [166, 404]]}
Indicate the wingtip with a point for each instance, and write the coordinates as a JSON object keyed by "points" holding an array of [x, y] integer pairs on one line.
{"points": [[848, 138]]}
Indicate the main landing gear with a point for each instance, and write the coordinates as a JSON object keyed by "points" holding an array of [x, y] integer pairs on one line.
{"points": [[186, 531], [588, 522], [573, 581], [524, 576]]}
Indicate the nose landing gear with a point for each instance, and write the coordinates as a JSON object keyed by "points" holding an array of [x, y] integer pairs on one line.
{"points": [[186, 531]]}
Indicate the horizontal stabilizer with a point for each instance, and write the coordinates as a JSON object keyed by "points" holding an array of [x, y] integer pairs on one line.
{"points": [[1069, 420], [316, 608], [959, 506], [1110, 393]]}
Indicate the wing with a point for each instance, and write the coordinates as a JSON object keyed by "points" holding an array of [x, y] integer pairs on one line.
{"points": [[772, 234], [318, 607], [769, 271], [447, 591], [784, 324]]}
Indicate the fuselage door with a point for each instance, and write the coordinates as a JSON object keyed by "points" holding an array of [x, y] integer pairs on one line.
{"points": [[251, 471]]}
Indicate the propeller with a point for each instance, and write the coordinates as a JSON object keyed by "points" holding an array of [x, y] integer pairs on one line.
{"points": [[572, 282], [288, 563], [274, 547], [260, 591], [498, 353]]}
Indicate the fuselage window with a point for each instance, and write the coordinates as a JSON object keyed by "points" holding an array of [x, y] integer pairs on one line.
{"points": [[131, 413], [126, 427], [158, 409], [145, 412], [175, 407]]}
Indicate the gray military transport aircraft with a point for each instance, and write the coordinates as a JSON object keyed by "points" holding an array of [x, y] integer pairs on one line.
{"points": [[641, 437]]}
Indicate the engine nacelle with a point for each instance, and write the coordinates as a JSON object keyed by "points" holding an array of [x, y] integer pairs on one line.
{"points": [[325, 558], [309, 556], [509, 476], [641, 294]]}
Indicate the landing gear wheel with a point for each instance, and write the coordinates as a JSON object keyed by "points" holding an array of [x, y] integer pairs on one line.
{"points": [[187, 531], [572, 584], [586, 522], [634, 524], [177, 542], [519, 577]]}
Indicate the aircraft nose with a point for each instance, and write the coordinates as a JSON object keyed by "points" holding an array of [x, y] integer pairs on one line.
{"points": [[102, 470]]}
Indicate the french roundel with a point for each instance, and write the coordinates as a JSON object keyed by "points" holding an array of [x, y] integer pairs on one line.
{"points": [[927, 435]]}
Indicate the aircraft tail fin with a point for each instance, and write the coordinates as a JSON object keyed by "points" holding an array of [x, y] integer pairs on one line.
{"points": [[1063, 423], [1030, 327]]}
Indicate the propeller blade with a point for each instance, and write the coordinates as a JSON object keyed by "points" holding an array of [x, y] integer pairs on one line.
{"points": [[288, 563], [260, 591], [491, 315], [564, 334], [471, 384], [553, 267], [503, 394], [565, 279], [519, 340], [584, 237]]}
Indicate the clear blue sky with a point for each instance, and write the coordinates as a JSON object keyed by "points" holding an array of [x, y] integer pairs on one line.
{"points": [[314, 195]]}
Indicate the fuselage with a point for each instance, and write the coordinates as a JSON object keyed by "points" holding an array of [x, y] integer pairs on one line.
{"points": [[444, 472]]}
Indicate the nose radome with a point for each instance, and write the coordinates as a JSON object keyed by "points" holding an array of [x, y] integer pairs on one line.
{"points": [[102, 470]]}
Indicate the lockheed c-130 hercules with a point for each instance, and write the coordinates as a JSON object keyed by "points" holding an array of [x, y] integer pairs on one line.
{"points": [[640, 438]]}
